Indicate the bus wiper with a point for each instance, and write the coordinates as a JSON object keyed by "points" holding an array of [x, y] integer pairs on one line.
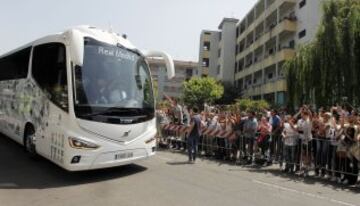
{"points": [[114, 110]]}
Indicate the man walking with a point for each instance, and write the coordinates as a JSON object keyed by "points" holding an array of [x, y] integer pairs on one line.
{"points": [[194, 133]]}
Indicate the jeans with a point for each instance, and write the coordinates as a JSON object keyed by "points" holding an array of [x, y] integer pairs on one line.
{"points": [[276, 147], [249, 141], [333, 161], [322, 154], [298, 154], [193, 142], [289, 155]]}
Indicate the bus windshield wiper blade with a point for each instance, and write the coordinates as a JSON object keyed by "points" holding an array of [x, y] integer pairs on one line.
{"points": [[115, 110]]}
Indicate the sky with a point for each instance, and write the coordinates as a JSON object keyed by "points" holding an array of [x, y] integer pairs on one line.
{"points": [[173, 26]]}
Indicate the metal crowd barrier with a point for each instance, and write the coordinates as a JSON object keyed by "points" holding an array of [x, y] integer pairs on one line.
{"points": [[323, 157]]}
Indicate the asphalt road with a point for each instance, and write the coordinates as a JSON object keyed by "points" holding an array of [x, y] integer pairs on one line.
{"points": [[165, 179]]}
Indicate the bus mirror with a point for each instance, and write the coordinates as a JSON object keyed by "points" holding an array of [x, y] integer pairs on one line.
{"points": [[77, 47], [170, 68]]}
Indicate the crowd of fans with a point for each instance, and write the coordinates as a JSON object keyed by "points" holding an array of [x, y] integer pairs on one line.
{"points": [[326, 141]]}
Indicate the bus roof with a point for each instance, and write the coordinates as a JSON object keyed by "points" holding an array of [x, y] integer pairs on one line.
{"points": [[86, 31]]}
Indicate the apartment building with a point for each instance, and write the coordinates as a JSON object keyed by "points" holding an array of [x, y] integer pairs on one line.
{"points": [[217, 51], [265, 38], [208, 56], [184, 70]]}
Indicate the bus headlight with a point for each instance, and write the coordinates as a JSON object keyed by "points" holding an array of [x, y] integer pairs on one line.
{"points": [[81, 144]]}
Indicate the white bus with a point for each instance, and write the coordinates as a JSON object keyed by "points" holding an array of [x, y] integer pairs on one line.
{"points": [[82, 99]]}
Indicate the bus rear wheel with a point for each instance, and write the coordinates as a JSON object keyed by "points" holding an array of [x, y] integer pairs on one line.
{"points": [[29, 141]]}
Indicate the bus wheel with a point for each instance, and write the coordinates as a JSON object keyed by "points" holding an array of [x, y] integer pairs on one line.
{"points": [[29, 141]]}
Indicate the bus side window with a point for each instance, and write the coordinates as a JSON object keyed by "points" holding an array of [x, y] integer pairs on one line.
{"points": [[49, 71]]}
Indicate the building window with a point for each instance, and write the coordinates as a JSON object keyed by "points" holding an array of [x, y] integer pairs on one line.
{"points": [[292, 44], [206, 46], [236, 65], [302, 34], [302, 4], [207, 33], [241, 48], [189, 72], [220, 36], [219, 53], [241, 66], [205, 62], [237, 32], [218, 70], [270, 75]]}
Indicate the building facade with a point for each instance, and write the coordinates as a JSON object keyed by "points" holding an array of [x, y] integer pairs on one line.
{"points": [[217, 51], [184, 70], [265, 39], [208, 56]]}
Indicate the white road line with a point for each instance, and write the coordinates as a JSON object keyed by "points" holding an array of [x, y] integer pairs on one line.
{"points": [[302, 193]]}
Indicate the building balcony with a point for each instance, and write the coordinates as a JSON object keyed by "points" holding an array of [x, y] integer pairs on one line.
{"points": [[272, 86], [283, 4], [205, 70], [282, 55], [285, 26], [206, 37], [205, 54]]}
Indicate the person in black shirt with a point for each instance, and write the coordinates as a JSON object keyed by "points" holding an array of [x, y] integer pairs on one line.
{"points": [[194, 134]]}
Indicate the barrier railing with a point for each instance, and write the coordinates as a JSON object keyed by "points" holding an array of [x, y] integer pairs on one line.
{"points": [[336, 159]]}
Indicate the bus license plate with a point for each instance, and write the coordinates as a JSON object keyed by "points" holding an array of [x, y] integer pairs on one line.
{"points": [[124, 155]]}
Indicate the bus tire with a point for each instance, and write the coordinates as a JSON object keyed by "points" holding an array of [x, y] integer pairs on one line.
{"points": [[29, 141]]}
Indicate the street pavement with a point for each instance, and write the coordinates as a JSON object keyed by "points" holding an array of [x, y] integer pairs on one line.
{"points": [[165, 179]]}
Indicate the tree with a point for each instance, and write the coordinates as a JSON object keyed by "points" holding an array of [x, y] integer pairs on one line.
{"points": [[156, 90], [229, 96], [328, 68], [164, 104], [247, 105], [198, 91]]}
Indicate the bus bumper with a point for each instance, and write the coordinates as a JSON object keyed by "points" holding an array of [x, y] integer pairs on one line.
{"points": [[110, 159]]}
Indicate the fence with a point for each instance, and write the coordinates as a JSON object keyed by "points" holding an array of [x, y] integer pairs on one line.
{"points": [[337, 159]]}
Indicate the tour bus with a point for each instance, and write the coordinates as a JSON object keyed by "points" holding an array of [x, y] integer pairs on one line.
{"points": [[82, 99]]}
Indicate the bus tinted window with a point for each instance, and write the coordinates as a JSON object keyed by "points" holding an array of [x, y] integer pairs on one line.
{"points": [[15, 66], [49, 71]]}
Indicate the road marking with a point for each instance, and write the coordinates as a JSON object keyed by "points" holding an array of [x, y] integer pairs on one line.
{"points": [[302, 193]]}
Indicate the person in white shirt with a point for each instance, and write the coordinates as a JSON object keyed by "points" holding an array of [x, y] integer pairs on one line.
{"points": [[304, 127], [290, 136]]}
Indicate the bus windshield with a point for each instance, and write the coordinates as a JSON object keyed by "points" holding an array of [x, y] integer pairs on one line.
{"points": [[113, 81]]}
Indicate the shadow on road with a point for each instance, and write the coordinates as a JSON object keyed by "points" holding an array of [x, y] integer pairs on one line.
{"points": [[19, 171], [311, 180], [179, 163]]}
